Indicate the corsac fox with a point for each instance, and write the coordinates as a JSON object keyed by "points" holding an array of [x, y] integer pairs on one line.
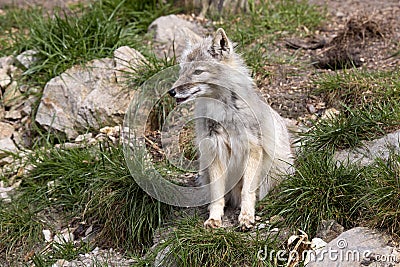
{"points": [[244, 144]]}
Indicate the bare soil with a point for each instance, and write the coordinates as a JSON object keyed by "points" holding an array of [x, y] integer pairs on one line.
{"points": [[364, 34]]}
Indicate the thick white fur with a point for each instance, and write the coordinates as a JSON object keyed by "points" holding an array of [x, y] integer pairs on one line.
{"points": [[244, 143]]}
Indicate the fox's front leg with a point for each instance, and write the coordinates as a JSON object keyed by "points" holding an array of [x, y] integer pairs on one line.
{"points": [[217, 176], [251, 179]]}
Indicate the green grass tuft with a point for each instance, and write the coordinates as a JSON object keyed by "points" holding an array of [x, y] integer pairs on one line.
{"points": [[358, 87], [352, 126], [321, 189], [92, 184], [381, 201], [369, 103], [190, 244]]}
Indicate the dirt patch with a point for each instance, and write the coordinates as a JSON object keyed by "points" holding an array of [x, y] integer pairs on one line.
{"points": [[343, 51], [348, 38]]}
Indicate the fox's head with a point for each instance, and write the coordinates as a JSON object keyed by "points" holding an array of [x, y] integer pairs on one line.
{"points": [[204, 64]]}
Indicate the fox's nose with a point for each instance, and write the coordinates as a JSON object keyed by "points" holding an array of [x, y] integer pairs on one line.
{"points": [[172, 92]]}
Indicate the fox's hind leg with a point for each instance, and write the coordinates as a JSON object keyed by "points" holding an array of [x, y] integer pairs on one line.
{"points": [[217, 176], [251, 179]]}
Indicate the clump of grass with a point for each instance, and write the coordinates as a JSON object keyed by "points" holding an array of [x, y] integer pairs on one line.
{"points": [[19, 229], [66, 251], [128, 214], [358, 87], [139, 14], [190, 244], [77, 36], [151, 67], [92, 184], [369, 103], [67, 40], [321, 189], [381, 200], [352, 126]]}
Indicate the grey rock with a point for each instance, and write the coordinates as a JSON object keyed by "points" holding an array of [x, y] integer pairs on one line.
{"points": [[5, 79], [172, 33], [6, 130], [370, 150], [6, 161], [13, 114], [28, 103], [98, 257], [6, 143], [6, 62], [357, 247], [7, 146], [84, 97], [12, 96], [83, 137], [27, 58]]}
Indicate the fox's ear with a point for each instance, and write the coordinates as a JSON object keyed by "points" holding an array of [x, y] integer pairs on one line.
{"points": [[220, 45]]}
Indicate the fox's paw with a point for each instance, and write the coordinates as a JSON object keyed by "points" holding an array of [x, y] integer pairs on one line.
{"points": [[213, 223], [246, 221]]}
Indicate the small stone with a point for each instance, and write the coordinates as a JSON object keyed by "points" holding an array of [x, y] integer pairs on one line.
{"points": [[13, 115], [3, 192], [6, 62], [6, 130], [92, 141], [7, 146], [12, 96], [5, 79], [61, 263], [83, 137], [340, 14], [27, 58], [330, 113], [6, 161], [261, 226], [28, 103], [47, 235], [68, 146], [110, 131], [311, 108]]}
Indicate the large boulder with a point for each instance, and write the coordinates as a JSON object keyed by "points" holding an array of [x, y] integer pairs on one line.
{"points": [[171, 34], [87, 97], [357, 247], [370, 150]]}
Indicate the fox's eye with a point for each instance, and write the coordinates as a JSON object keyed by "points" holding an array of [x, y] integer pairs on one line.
{"points": [[198, 72]]}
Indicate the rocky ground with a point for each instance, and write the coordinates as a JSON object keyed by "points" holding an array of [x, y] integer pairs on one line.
{"points": [[363, 33]]}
